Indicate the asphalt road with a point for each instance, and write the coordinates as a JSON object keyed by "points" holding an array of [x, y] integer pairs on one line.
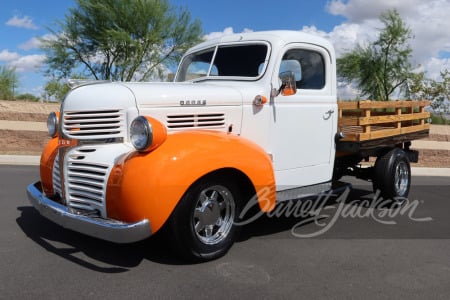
{"points": [[404, 254]]}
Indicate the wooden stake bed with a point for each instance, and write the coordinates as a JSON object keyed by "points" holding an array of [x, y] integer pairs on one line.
{"points": [[364, 121]]}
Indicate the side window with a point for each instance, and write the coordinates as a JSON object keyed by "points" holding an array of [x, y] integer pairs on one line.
{"points": [[196, 65], [313, 68], [197, 69]]}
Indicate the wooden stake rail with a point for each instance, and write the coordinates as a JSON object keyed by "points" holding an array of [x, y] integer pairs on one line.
{"points": [[369, 120]]}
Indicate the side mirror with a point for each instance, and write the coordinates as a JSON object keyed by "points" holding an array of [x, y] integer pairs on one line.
{"points": [[288, 85], [290, 72]]}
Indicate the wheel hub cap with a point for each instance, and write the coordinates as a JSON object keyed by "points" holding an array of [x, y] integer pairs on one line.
{"points": [[209, 212], [401, 178], [214, 214]]}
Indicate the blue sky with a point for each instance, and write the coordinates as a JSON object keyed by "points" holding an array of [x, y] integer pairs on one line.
{"points": [[260, 15], [344, 22]]}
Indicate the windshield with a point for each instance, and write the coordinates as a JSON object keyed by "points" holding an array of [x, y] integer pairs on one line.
{"points": [[245, 61]]}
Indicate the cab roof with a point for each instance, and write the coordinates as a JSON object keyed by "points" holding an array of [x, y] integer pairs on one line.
{"points": [[273, 37]]}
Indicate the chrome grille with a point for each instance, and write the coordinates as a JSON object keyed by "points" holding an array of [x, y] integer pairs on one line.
{"points": [[94, 124], [86, 182], [210, 120], [56, 177]]}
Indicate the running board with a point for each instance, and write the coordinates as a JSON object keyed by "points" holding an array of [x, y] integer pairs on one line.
{"points": [[329, 188]]}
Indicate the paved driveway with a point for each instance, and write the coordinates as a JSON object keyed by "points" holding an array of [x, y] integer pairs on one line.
{"points": [[358, 257]]}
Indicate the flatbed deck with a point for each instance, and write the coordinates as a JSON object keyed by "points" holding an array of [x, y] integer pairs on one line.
{"points": [[369, 124], [368, 120]]}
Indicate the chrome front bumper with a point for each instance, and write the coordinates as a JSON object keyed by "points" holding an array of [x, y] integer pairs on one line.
{"points": [[109, 230]]}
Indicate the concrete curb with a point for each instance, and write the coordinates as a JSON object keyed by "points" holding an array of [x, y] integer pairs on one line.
{"points": [[29, 160], [445, 172], [23, 125], [23, 160]]}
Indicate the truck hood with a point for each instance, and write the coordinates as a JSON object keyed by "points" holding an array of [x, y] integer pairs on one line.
{"points": [[153, 94], [170, 94], [179, 106]]}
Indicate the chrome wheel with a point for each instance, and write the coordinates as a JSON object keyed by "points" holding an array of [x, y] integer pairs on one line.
{"points": [[214, 214], [392, 175], [401, 181], [202, 226]]}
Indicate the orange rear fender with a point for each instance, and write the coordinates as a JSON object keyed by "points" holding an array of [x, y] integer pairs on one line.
{"points": [[149, 185]]}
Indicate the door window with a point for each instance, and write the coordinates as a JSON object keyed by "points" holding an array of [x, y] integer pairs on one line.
{"points": [[312, 68]]}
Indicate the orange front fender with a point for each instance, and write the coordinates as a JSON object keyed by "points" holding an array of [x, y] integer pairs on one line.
{"points": [[149, 185], [46, 165]]}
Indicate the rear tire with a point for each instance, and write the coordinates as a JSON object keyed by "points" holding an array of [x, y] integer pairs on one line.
{"points": [[202, 225], [392, 175]]}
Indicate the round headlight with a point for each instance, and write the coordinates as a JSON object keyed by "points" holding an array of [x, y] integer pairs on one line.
{"points": [[52, 124], [141, 134]]}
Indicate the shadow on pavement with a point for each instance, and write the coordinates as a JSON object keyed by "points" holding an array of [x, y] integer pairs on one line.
{"points": [[106, 257], [92, 253]]}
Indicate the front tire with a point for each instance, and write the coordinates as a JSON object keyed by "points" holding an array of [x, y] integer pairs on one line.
{"points": [[202, 225], [392, 175]]}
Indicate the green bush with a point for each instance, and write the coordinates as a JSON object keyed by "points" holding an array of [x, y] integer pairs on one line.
{"points": [[439, 119], [28, 97]]}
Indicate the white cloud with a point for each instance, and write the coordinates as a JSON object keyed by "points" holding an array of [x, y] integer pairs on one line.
{"points": [[434, 66], [22, 63], [347, 91], [226, 31], [346, 36], [430, 27], [7, 56], [35, 43], [28, 63], [428, 21], [218, 34], [25, 22], [360, 10]]}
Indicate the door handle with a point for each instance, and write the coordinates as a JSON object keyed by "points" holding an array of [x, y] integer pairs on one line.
{"points": [[328, 114]]}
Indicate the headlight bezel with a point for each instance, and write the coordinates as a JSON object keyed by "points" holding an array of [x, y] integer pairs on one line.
{"points": [[152, 131], [52, 124], [140, 126]]}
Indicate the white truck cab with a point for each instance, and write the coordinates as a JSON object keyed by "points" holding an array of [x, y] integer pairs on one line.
{"points": [[297, 131]]}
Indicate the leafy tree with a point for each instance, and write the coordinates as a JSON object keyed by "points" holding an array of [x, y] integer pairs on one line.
{"points": [[120, 39], [383, 66], [417, 87], [438, 92], [55, 90], [8, 82]]}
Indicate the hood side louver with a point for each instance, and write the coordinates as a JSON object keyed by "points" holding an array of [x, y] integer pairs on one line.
{"points": [[210, 120], [94, 124]]}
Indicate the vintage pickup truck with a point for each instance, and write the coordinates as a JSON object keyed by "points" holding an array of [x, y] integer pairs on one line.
{"points": [[249, 116]]}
